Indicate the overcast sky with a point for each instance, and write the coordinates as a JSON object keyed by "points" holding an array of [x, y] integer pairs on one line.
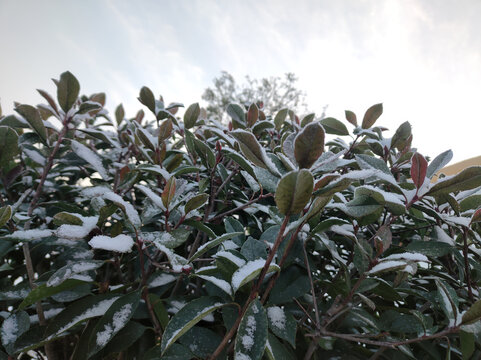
{"points": [[422, 59]]}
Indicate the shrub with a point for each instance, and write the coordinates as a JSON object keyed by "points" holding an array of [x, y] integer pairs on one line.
{"points": [[166, 237]]}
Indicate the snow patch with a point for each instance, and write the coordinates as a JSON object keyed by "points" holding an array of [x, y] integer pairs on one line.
{"points": [[277, 317], [121, 243]]}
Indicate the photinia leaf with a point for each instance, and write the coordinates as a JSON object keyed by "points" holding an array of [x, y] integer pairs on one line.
{"points": [[438, 163], [249, 272], [419, 167], [12, 327], [5, 214], [168, 192], [371, 115], [68, 89], [195, 202], [280, 118], [191, 115], [119, 114], [187, 317], [32, 116], [467, 179], [212, 243], [294, 191], [114, 320], [334, 126], [252, 115], [309, 145], [351, 117], [147, 98], [251, 338], [236, 112]]}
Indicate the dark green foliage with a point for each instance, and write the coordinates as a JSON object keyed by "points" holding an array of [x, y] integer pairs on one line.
{"points": [[176, 237]]}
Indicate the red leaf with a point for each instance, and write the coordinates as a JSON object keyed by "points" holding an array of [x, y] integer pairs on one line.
{"points": [[476, 216], [419, 166]]}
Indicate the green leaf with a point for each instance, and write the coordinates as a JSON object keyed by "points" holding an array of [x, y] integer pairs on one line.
{"points": [[438, 163], [471, 202], [251, 148], [175, 352], [334, 126], [200, 226], [265, 178], [191, 115], [68, 89], [66, 218], [252, 115], [236, 112], [401, 135], [81, 310], [147, 98], [275, 350], [253, 249], [249, 272], [251, 338], [8, 145], [370, 162], [195, 202], [88, 106], [473, 314], [294, 191], [351, 117], [119, 114], [433, 249], [114, 320], [309, 145], [282, 324], [467, 344], [447, 302], [44, 291], [201, 341], [239, 159], [124, 339], [233, 225], [32, 116], [307, 119], [280, 118], [371, 115], [467, 179], [165, 130], [12, 327], [71, 269], [187, 317], [5, 214], [90, 157], [210, 244], [205, 153]]}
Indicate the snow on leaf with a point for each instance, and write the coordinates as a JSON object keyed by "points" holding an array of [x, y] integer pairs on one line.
{"points": [[251, 336], [221, 284], [387, 266], [129, 210], [71, 269], [187, 317], [90, 157], [215, 242], [67, 231], [249, 271], [156, 199], [28, 235], [114, 320], [121, 243]]}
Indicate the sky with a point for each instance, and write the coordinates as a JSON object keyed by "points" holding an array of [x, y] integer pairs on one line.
{"points": [[421, 59]]}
